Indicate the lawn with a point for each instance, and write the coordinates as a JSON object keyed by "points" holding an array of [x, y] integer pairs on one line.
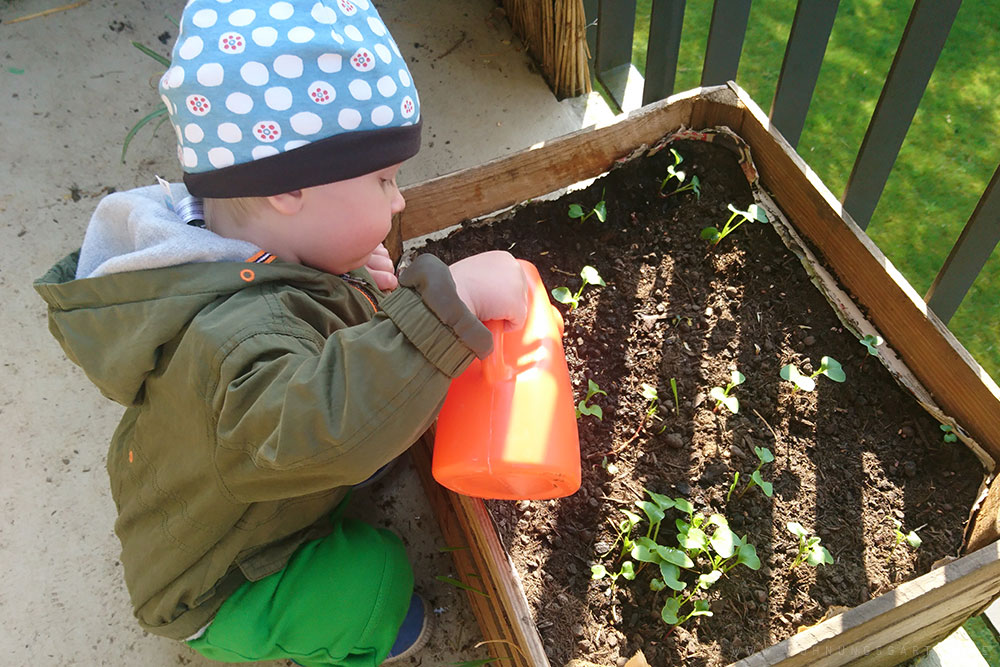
{"points": [[949, 154]]}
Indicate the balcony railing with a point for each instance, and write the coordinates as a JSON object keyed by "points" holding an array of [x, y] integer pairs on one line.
{"points": [[610, 33]]}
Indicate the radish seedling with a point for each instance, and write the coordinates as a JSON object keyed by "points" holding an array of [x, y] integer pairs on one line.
{"points": [[911, 538], [753, 213], [764, 455], [949, 433], [590, 276], [828, 366], [872, 341], [694, 185], [810, 550], [600, 210], [722, 396], [583, 409]]}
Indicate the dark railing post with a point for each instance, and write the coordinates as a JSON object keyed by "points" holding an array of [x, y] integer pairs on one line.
{"points": [[800, 68], [666, 19], [969, 254], [613, 59], [725, 41], [918, 52]]}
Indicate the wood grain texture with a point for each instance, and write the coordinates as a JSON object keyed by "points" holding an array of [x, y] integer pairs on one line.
{"points": [[477, 191], [500, 607], [898, 624]]}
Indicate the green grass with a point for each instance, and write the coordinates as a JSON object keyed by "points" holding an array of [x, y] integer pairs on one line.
{"points": [[982, 635], [950, 151]]}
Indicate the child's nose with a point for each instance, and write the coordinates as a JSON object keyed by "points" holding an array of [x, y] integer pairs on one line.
{"points": [[398, 203]]}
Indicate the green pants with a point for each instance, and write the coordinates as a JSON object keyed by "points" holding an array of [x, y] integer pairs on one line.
{"points": [[338, 603]]}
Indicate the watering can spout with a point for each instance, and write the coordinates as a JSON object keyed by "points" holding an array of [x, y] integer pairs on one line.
{"points": [[507, 429]]}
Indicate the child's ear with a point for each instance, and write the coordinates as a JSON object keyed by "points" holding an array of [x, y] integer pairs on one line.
{"points": [[287, 203]]}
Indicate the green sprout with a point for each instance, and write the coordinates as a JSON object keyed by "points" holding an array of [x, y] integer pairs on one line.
{"points": [[810, 550], [872, 341], [706, 550], [828, 366], [677, 403], [709, 540], [722, 396], [583, 409], [753, 213], [600, 210], [911, 538], [694, 185], [764, 456], [949, 433], [590, 276], [649, 392]]}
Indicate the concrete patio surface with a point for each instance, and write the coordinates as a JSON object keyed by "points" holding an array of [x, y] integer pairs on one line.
{"points": [[71, 86]]}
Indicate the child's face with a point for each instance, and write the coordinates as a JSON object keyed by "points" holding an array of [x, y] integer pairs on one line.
{"points": [[340, 224]]}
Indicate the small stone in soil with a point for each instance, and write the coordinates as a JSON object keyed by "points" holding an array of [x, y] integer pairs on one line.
{"points": [[683, 488], [674, 440], [910, 469]]}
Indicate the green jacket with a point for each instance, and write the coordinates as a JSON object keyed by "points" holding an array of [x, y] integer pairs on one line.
{"points": [[255, 395]]}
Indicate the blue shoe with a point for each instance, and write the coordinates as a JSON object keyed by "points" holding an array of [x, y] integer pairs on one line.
{"points": [[377, 475], [413, 633]]}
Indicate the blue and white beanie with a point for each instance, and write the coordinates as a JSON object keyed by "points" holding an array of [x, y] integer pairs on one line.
{"points": [[270, 96]]}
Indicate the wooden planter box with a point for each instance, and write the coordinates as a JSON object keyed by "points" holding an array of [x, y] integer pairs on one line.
{"points": [[925, 357]]}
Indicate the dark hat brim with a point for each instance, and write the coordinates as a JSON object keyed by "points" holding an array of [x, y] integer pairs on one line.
{"points": [[337, 158]]}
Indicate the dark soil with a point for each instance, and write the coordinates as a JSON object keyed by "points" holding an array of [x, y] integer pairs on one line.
{"points": [[849, 457]]}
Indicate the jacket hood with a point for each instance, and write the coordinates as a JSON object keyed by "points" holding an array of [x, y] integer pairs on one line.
{"points": [[139, 278]]}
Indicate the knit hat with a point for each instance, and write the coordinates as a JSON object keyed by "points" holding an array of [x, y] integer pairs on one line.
{"points": [[270, 96]]}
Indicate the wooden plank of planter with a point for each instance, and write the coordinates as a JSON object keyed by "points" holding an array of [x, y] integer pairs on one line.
{"points": [[957, 383], [500, 608], [897, 625], [448, 200]]}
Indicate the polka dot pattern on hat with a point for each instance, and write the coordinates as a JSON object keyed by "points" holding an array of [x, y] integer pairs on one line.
{"points": [[254, 79]]}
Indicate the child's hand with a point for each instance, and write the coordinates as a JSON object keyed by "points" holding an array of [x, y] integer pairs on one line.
{"points": [[492, 285], [380, 266]]}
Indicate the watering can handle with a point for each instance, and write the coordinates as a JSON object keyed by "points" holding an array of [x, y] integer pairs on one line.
{"points": [[494, 367]]}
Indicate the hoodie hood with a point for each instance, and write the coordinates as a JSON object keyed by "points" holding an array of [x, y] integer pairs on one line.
{"points": [[140, 277]]}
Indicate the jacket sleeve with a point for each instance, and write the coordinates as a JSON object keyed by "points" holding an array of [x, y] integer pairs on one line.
{"points": [[298, 413]]}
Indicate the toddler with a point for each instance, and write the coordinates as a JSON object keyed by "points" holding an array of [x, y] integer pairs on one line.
{"points": [[267, 356]]}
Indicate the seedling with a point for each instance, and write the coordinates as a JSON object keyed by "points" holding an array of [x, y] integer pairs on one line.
{"points": [[722, 396], [764, 456], [600, 210], [911, 538], [583, 409], [872, 341], [649, 392], [590, 276], [828, 366], [677, 403], [949, 433], [694, 185], [753, 213], [707, 548], [810, 550]]}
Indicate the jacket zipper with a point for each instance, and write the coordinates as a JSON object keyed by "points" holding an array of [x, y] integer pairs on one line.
{"points": [[362, 287]]}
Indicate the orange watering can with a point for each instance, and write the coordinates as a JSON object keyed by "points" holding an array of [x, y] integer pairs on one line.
{"points": [[507, 429]]}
